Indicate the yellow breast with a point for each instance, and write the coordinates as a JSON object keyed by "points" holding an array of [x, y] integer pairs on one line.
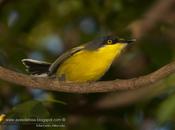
{"points": [[87, 65]]}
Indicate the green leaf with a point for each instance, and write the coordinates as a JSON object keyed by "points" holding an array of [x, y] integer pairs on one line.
{"points": [[55, 101], [50, 98], [29, 109], [166, 110]]}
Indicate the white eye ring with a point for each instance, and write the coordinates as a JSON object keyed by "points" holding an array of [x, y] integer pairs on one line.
{"points": [[109, 42]]}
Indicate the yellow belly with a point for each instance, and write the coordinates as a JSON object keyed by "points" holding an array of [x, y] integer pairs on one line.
{"points": [[87, 65]]}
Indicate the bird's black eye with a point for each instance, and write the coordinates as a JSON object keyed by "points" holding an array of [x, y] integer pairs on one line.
{"points": [[109, 42]]}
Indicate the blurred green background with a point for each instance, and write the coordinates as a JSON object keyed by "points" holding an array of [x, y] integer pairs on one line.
{"points": [[44, 29]]}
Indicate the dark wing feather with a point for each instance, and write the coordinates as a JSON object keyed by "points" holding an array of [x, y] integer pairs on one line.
{"points": [[54, 66]]}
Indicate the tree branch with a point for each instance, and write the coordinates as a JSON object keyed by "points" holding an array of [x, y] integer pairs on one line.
{"points": [[101, 86], [125, 98], [158, 12]]}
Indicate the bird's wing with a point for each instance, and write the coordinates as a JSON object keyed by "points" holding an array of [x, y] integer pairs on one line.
{"points": [[54, 66]]}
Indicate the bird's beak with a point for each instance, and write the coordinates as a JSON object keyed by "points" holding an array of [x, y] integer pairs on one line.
{"points": [[130, 40]]}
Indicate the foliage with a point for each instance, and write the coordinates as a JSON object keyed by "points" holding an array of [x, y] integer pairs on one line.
{"points": [[43, 29]]}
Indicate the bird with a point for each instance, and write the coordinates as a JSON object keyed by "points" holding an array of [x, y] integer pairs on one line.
{"points": [[85, 63]]}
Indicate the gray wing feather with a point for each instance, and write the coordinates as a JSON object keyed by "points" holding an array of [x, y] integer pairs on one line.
{"points": [[54, 66]]}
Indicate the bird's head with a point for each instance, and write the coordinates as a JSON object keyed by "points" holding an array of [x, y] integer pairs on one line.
{"points": [[109, 41]]}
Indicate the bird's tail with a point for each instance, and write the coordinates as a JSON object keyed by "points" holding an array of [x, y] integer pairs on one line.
{"points": [[37, 68]]}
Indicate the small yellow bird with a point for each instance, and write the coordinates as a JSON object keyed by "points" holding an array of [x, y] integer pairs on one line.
{"points": [[85, 63]]}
